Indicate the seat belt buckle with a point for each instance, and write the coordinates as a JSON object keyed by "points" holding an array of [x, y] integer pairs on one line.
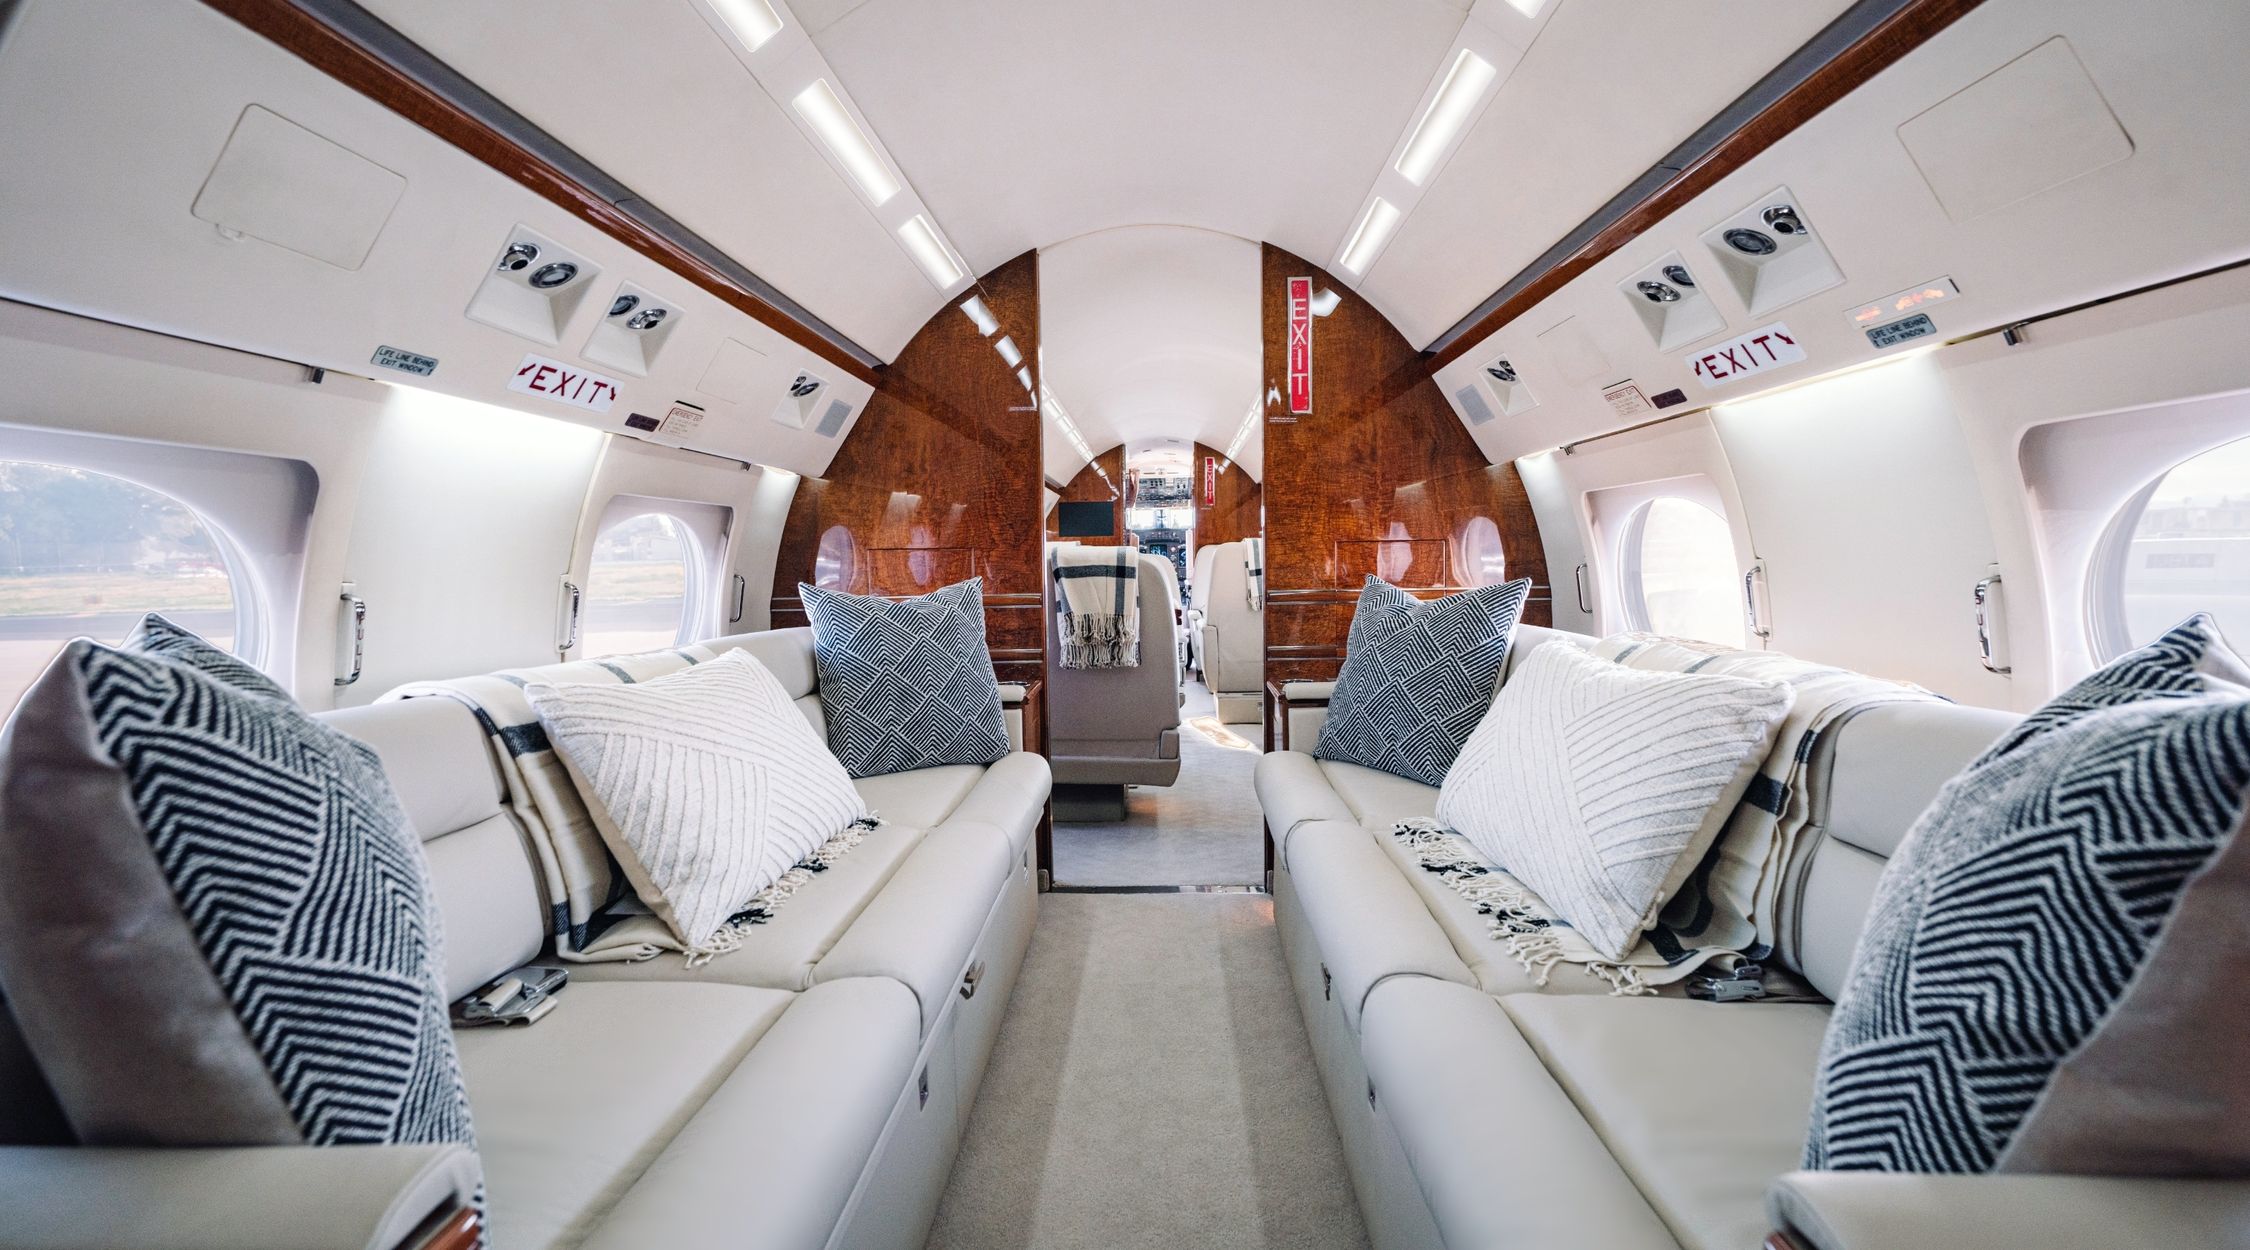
{"points": [[523, 996], [1743, 984]]}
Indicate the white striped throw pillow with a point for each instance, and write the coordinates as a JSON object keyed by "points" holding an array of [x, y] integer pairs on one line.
{"points": [[707, 784], [1600, 787]]}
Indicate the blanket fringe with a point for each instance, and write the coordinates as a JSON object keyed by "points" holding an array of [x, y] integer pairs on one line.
{"points": [[731, 935], [1516, 916], [1092, 641]]}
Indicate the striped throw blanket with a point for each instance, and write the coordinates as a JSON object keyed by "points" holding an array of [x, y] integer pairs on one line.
{"points": [[1727, 912], [1254, 562], [595, 916], [1097, 605]]}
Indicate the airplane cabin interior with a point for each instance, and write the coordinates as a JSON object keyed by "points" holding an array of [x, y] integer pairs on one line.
{"points": [[1030, 625]]}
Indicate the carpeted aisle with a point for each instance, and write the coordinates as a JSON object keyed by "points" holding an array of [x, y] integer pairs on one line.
{"points": [[1203, 829], [1152, 1086]]}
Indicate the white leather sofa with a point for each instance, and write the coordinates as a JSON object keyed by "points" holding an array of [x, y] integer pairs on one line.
{"points": [[1478, 1109], [807, 1090]]}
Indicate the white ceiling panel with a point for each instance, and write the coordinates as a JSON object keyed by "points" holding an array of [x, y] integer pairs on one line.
{"points": [[1028, 122], [1607, 89], [1152, 332], [661, 103]]}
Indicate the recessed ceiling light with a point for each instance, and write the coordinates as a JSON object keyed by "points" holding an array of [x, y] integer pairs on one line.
{"points": [[1529, 8], [826, 114], [1374, 231], [1457, 97], [752, 21], [929, 251], [1009, 352], [977, 312]]}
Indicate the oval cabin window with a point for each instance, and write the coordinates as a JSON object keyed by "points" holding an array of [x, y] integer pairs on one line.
{"points": [[639, 587], [85, 554], [2180, 546], [1679, 574]]}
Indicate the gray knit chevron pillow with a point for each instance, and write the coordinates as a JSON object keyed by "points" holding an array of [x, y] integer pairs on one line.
{"points": [[217, 928], [1418, 677], [2050, 975], [906, 683]]}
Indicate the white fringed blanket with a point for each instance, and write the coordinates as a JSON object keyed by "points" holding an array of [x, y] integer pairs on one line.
{"points": [[1097, 605]]}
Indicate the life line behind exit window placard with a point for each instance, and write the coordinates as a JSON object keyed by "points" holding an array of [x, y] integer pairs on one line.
{"points": [[1752, 353], [565, 384]]}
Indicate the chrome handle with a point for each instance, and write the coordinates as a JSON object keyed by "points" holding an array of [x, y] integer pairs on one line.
{"points": [[577, 600], [358, 610], [970, 979], [741, 597], [1578, 576], [1983, 598], [1750, 600]]}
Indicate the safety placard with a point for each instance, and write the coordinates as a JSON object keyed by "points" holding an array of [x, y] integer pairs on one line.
{"points": [[1300, 346], [565, 384], [1753, 353]]}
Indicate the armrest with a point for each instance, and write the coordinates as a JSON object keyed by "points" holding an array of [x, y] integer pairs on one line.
{"points": [[240, 1198], [1308, 692], [1013, 693], [1905, 1211]]}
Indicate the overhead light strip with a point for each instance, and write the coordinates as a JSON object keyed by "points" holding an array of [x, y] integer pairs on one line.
{"points": [[824, 111], [930, 252], [752, 21], [1450, 109], [1375, 227]]}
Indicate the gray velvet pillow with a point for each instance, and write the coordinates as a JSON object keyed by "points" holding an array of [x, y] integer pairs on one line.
{"points": [[2050, 975], [217, 928]]}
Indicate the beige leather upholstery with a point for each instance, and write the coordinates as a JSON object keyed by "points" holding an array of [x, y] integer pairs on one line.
{"points": [[921, 797], [1368, 922], [1232, 648], [1378, 799], [1893, 1211], [245, 1198], [1293, 792], [1501, 1154], [1701, 1103], [1120, 726]]}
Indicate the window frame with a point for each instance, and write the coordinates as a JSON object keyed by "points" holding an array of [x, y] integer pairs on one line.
{"points": [[2104, 609], [706, 531], [1617, 517]]}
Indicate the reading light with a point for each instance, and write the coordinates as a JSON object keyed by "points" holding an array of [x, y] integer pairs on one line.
{"points": [[1456, 98], [1751, 242], [921, 239], [548, 277], [624, 304], [752, 21], [1374, 231], [851, 147], [977, 312]]}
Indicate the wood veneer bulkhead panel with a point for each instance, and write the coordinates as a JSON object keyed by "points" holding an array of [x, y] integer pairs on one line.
{"points": [[1378, 478], [940, 480], [1091, 487], [1237, 508]]}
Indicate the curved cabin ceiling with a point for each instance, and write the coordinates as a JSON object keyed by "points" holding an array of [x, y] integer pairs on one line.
{"points": [[1150, 333], [1023, 123]]}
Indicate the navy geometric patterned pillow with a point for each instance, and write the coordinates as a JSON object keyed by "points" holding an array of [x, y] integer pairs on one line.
{"points": [[2004, 940], [1418, 677], [218, 927], [157, 636], [906, 683]]}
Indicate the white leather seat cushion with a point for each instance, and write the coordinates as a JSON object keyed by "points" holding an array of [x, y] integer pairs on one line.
{"points": [[1010, 797], [571, 1110], [919, 797], [1703, 1104], [780, 954], [1499, 1151], [1378, 799], [1368, 922], [1293, 792], [771, 1159]]}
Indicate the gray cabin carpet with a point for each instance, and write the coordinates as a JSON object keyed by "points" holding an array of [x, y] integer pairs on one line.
{"points": [[1203, 829], [1152, 1086]]}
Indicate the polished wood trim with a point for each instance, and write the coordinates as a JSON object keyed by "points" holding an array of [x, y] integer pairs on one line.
{"points": [[1913, 25], [1778, 1240], [460, 1231], [330, 51]]}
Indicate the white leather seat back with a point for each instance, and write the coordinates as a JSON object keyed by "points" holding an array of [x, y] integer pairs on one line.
{"points": [[1234, 633], [789, 654], [481, 867], [1120, 725], [1877, 772], [1199, 587]]}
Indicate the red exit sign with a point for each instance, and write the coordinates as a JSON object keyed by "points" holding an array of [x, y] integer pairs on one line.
{"points": [[1300, 346]]}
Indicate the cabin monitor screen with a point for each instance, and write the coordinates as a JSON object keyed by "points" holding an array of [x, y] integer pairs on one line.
{"points": [[1088, 520]]}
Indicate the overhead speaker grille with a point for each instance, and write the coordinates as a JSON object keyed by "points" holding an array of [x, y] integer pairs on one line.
{"points": [[1472, 403], [833, 420]]}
